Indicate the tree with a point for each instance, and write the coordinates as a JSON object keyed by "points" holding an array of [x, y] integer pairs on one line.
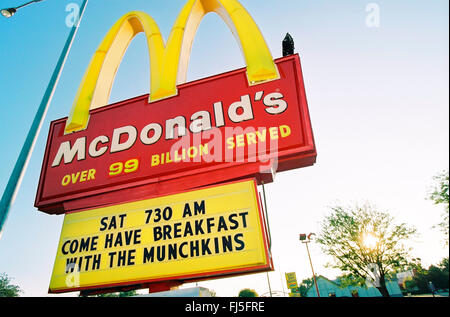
{"points": [[6, 288], [246, 292], [212, 293], [119, 294], [436, 274], [418, 284], [439, 275], [365, 243], [128, 294], [305, 285], [439, 194]]}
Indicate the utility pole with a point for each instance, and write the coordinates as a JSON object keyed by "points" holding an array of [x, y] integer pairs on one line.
{"points": [[20, 167], [307, 239]]}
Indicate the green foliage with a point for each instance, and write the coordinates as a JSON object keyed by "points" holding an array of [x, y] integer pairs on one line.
{"points": [[246, 292], [106, 295], [127, 294], [347, 280], [213, 293], [436, 274], [120, 294], [364, 243], [305, 285], [440, 196], [418, 284], [440, 192], [6, 288]]}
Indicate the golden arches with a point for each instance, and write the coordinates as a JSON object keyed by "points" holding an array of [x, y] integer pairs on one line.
{"points": [[168, 63]]}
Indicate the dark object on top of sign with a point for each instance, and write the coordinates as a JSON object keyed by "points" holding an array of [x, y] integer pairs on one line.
{"points": [[288, 45]]}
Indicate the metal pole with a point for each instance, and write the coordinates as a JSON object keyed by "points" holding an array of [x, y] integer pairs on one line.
{"points": [[268, 282], [28, 3], [20, 167], [268, 229], [312, 269], [267, 215], [282, 284]]}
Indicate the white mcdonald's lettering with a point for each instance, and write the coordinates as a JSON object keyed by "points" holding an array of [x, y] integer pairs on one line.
{"points": [[168, 63], [123, 138]]}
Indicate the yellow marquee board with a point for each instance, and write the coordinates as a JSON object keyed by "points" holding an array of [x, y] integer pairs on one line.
{"points": [[215, 231], [291, 280]]}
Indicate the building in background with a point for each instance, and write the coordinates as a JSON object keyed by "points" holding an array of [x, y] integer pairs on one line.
{"points": [[328, 288]]}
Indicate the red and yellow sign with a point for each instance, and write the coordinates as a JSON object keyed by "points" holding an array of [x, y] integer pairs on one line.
{"points": [[138, 179], [246, 123], [216, 231], [217, 129]]}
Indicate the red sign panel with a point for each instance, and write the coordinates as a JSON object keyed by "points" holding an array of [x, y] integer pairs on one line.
{"points": [[216, 129]]}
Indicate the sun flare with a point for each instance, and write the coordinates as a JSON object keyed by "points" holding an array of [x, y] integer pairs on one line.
{"points": [[369, 240]]}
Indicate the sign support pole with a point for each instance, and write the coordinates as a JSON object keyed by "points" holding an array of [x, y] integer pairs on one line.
{"points": [[268, 229], [312, 269], [18, 172], [266, 215]]}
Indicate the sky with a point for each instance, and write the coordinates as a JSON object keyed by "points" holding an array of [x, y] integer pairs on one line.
{"points": [[377, 89]]}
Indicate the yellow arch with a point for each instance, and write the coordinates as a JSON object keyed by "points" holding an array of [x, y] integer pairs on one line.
{"points": [[168, 64]]}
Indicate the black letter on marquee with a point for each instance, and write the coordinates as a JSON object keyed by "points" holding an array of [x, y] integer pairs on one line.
{"points": [[227, 244], [222, 224], [108, 240], [187, 211], [182, 254], [205, 246], [233, 221], [131, 257], [103, 223], [157, 234], [199, 209], [172, 251], [63, 248], [84, 244], [244, 221], [239, 241], [149, 255]]}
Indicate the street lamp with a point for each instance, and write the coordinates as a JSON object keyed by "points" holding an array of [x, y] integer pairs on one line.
{"points": [[22, 161], [307, 239], [7, 13]]}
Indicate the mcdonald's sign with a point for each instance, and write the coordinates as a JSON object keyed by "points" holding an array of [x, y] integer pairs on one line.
{"points": [[246, 123]]}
